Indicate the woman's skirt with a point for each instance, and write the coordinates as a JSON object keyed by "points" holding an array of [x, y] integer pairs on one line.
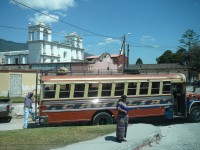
{"points": [[122, 124]]}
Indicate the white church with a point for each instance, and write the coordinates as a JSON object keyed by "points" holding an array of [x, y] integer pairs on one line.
{"points": [[41, 48]]}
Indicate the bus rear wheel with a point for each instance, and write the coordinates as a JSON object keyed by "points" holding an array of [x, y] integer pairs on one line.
{"points": [[102, 118], [195, 114]]}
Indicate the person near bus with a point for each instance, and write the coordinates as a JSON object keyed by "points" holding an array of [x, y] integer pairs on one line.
{"points": [[122, 119], [28, 109]]}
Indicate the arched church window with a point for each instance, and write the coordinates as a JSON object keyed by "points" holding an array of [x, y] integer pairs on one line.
{"points": [[45, 35], [69, 41], [78, 43]]}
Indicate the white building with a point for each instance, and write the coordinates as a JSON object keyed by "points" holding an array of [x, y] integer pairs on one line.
{"points": [[15, 57], [41, 48], [2, 58]]}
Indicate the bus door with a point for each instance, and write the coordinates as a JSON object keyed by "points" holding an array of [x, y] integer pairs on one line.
{"points": [[180, 101]]}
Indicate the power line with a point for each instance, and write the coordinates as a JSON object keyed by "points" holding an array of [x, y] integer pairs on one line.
{"points": [[59, 33], [134, 44], [150, 46], [104, 48], [11, 27], [97, 34]]}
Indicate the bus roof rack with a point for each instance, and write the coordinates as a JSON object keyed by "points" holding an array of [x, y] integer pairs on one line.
{"points": [[78, 72], [131, 71]]}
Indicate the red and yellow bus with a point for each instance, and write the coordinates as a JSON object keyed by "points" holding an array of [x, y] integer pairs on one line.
{"points": [[94, 98]]}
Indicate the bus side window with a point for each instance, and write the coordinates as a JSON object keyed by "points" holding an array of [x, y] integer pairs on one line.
{"points": [[155, 88], [106, 89], [132, 86], [144, 88], [119, 89], [79, 90], [166, 87], [64, 91], [49, 91], [93, 89]]}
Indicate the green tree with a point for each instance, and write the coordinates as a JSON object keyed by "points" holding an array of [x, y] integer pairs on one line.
{"points": [[193, 57], [189, 38], [139, 61], [190, 58], [166, 57], [181, 56]]}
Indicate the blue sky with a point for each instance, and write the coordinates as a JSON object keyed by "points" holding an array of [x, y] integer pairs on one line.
{"points": [[155, 25]]}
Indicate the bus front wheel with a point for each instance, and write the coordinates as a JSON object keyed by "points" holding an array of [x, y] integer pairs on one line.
{"points": [[102, 118], [195, 114]]}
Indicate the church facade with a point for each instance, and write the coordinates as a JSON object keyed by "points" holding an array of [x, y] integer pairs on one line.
{"points": [[41, 48]]}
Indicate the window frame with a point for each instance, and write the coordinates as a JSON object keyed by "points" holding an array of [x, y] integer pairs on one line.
{"points": [[103, 90]]}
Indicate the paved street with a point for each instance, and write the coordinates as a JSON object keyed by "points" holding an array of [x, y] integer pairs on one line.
{"points": [[180, 136]]}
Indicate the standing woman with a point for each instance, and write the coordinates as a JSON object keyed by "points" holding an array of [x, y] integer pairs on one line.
{"points": [[122, 119]]}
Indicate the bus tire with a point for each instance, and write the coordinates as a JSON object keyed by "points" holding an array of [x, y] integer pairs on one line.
{"points": [[102, 118], [195, 114]]}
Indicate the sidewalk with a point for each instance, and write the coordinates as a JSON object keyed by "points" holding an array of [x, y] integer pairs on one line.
{"points": [[18, 110], [138, 136]]}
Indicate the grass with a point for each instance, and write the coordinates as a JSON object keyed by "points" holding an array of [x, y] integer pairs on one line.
{"points": [[50, 137], [17, 99], [2, 97]]}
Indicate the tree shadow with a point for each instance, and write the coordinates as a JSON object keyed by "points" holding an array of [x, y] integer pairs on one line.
{"points": [[37, 125], [160, 121]]}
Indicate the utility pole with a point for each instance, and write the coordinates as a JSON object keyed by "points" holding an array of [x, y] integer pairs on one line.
{"points": [[127, 56], [124, 49]]}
